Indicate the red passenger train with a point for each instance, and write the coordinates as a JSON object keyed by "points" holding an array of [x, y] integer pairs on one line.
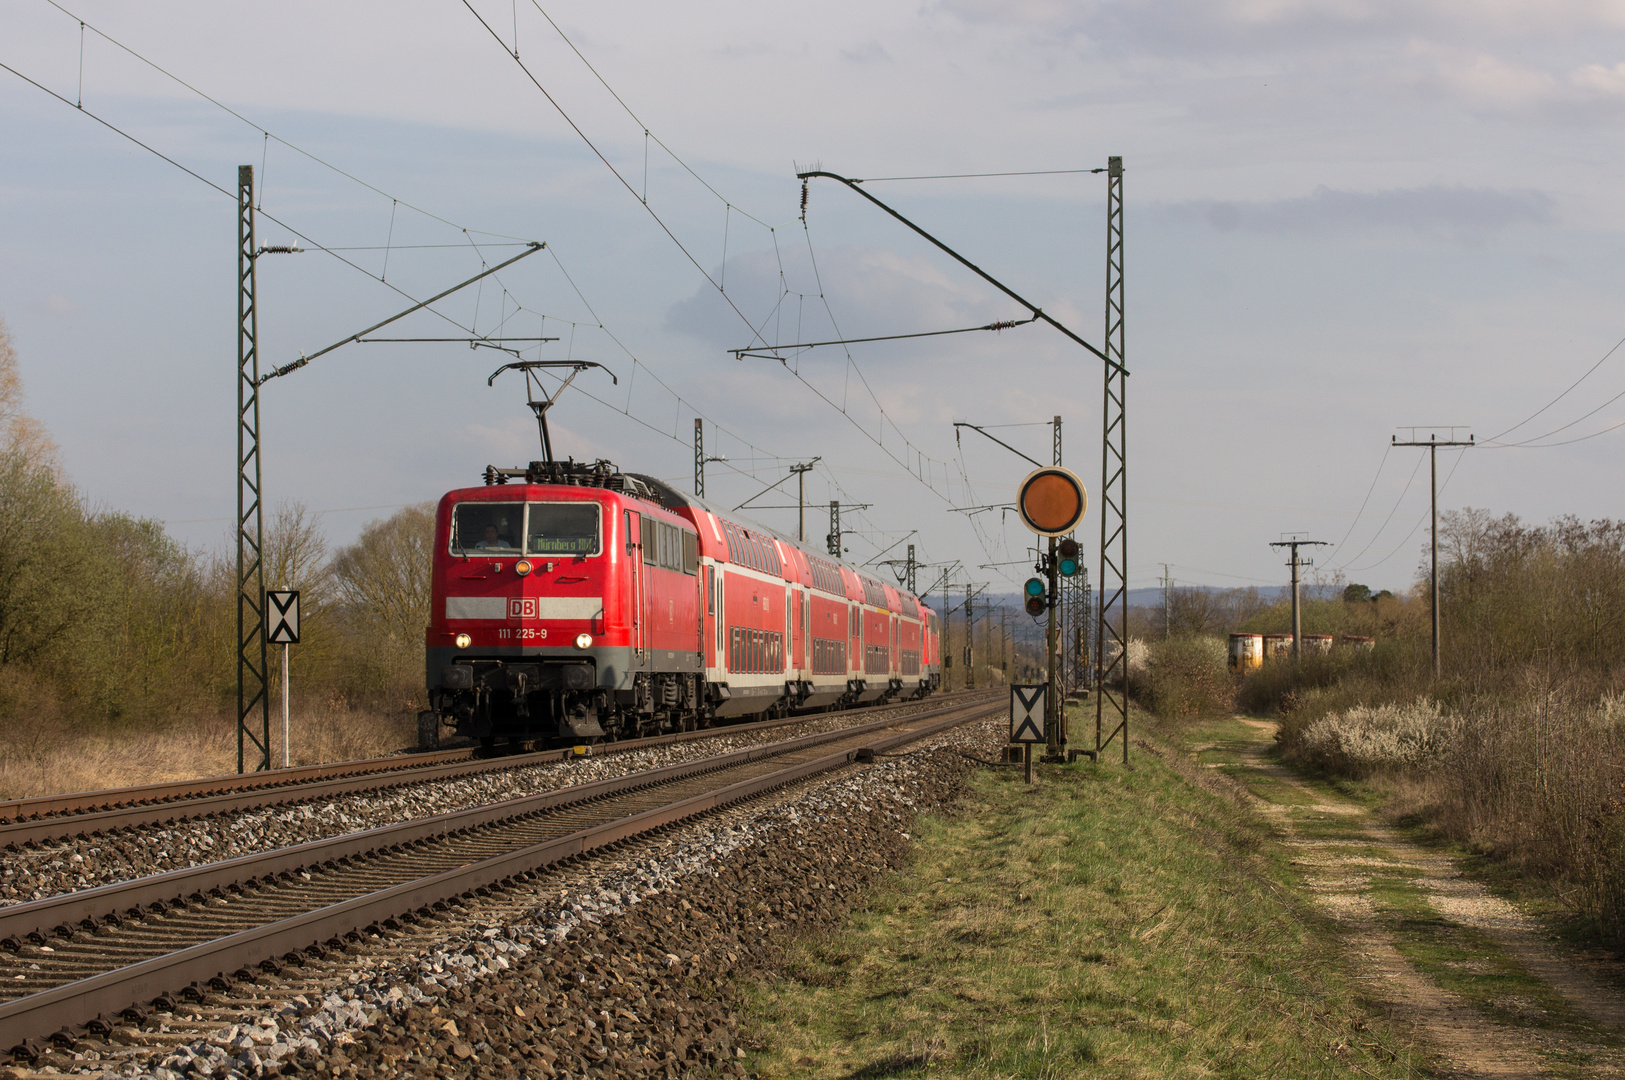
{"points": [[580, 602]]}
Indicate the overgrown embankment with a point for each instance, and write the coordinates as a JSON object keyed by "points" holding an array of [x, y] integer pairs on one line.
{"points": [[118, 644], [1516, 750]]}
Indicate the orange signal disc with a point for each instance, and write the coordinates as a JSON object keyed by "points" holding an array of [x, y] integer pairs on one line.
{"points": [[1052, 501]]}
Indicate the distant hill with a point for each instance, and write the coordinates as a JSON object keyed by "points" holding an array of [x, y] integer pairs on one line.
{"points": [[1148, 597], [1153, 596]]}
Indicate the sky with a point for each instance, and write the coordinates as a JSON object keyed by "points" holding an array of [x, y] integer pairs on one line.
{"points": [[1343, 219]]}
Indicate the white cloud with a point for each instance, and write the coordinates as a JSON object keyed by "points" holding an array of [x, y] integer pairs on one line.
{"points": [[1459, 214], [1493, 84]]}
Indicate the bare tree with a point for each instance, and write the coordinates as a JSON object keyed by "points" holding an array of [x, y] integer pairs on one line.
{"points": [[384, 577], [19, 432]]}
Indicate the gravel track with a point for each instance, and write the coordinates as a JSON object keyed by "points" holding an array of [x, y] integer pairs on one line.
{"points": [[86, 862], [621, 965]]}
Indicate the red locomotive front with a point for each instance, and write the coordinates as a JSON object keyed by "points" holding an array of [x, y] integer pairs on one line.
{"points": [[566, 609]]}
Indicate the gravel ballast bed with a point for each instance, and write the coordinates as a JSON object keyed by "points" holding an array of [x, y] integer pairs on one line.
{"points": [[629, 971], [83, 863]]}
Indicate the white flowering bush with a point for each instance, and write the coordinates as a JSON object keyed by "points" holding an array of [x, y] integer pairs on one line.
{"points": [[1139, 653], [1416, 735]]}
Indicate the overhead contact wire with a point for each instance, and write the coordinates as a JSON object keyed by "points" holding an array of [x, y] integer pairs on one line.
{"points": [[608, 165]]}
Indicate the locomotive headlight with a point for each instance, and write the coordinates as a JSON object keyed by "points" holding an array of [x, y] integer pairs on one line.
{"points": [[522, 567], [583, 641], [464, 641]]}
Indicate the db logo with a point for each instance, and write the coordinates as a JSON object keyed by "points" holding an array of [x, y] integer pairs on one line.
{"points": [[521, 607]]}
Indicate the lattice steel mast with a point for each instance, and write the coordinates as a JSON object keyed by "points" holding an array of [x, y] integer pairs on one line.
{"points": [[699, 457], [253, 701], [1111, 708], [1074, 616]]}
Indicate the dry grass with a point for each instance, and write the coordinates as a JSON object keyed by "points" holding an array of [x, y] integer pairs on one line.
{"points": [[48, 759], [1104, 922], [1529, 771]]}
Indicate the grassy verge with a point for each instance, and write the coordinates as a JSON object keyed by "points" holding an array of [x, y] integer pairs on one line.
{"points": [[1105, 922], [65, 759], [1459, 959]]}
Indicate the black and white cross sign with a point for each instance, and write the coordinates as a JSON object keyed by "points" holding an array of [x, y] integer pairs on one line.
{"points": [[1027, 712], [282, 616]]}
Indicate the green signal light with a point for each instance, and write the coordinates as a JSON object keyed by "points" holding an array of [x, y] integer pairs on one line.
{"points": [[1035, 587], [1069, 567]]}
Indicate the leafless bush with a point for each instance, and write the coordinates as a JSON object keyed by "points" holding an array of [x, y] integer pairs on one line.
{"points": [[1362, 739]]}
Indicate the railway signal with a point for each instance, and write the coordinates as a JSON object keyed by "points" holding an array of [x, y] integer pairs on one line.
{"points": [[1051, 502], [1037, 596], [1069, 565]]}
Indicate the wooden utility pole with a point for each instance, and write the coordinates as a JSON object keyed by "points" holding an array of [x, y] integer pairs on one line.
{"points": [[1433, 442], [1297, 628], [1167, 604]]}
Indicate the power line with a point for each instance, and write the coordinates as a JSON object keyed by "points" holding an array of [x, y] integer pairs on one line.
{"points": [[319, 246], [607, 164], [1333, 553], [1559, 397], [503, 239], [1530, 443], [262, 130], [756, 332], [469, 233], [1418, 525], [199, 177], [646, 132], [1384, 524], [1561, 442]]}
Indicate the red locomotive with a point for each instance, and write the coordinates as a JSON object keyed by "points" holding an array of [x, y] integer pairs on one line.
{"points": [[575, 601]]}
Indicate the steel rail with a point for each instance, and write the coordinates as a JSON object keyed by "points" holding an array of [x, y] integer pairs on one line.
{"points": [[38, 806], [120, 808], [65, 913], [114, 991]]}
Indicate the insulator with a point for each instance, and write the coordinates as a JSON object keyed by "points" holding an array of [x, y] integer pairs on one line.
{"points": [[804, 201], [490, 475]]}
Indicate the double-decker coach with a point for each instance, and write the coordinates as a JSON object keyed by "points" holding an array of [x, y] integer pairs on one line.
{"points": [[574, 601]]}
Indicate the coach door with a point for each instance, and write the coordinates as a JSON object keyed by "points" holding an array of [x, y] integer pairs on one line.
{"points": [[639, 587], [799, 637]]}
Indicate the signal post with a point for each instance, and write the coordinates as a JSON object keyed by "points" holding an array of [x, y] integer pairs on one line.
{"points": [[1052, 501]]}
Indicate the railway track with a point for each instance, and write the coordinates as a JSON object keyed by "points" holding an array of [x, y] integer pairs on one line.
{"points": [[89, 955], [43, 819]]}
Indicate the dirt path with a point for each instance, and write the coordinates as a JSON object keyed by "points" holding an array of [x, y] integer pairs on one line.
{"points": [[1476, 978]]}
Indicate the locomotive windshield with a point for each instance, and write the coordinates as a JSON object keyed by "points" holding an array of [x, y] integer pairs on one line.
{"points": [[490, 528], [562, 529], [487, 527]]}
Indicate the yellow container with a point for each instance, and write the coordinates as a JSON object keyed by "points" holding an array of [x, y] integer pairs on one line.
{"points": [[1246, 653]]}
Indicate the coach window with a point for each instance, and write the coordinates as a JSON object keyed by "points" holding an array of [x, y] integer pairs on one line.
{"points": [[562, 528], [486, 528]]}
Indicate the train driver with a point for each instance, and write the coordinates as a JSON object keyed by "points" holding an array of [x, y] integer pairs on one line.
{"points": [[492, 539]]}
